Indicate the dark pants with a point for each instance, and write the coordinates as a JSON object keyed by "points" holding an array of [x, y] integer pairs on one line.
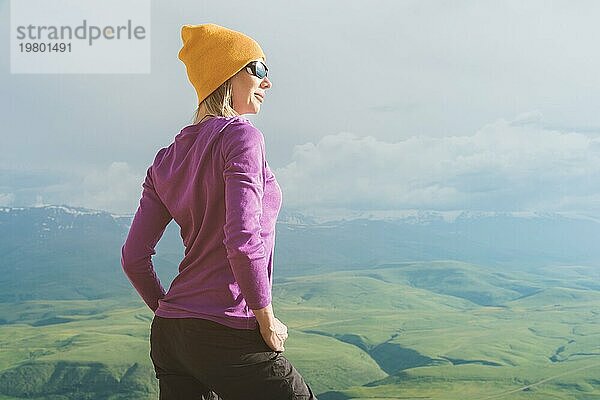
{"points": [[200, 359]]}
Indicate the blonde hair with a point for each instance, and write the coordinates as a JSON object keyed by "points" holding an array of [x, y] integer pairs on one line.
{"points": [[219, 102]]}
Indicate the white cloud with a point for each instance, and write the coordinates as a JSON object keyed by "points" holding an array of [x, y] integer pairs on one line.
{"points": [[512, 165], [6, 199], [116, 188], [39, 201], [506, 165]]}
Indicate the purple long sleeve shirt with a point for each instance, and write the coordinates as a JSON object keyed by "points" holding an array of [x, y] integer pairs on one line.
{"points": [[215, 182]]}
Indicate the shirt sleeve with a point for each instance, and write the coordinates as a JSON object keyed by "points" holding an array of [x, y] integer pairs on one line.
{"points": [[147, 227], [243, 173]]}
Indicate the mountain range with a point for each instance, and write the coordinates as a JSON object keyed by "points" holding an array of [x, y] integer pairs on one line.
{"points": [[431, 304], [63, 252]]}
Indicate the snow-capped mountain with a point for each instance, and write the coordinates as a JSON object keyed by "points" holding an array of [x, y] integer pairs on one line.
{"points": [[70, 252], [417, 217]]}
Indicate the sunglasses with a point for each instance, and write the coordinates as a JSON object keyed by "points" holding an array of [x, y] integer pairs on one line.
{"points": [[258, 69]]}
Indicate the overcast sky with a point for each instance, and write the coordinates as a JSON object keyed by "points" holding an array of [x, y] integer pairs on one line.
{"points": [[482, 105]]}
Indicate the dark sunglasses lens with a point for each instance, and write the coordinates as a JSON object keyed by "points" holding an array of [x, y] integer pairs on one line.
{"points": [[261, 70]]}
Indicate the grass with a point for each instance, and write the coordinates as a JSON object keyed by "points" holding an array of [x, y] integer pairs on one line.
{"points": [[377, 333]]}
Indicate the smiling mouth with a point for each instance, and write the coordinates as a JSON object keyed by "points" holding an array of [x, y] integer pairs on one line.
{"points": [[259, 97]]}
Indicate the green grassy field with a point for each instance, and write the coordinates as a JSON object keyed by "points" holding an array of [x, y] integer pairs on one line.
{"points": [[444, 330]]}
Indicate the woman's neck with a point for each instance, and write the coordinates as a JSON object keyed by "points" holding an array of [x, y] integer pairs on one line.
{"points": [[205, 117]]}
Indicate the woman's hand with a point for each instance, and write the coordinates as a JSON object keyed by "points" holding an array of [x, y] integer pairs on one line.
{"points": [[275, 335], [273, 331]]}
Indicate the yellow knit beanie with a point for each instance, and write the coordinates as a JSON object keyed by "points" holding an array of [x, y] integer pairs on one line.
{"points": [[212, 54]]}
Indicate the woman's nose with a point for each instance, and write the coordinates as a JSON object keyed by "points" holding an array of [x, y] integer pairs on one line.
{"points": [[266, 83]]}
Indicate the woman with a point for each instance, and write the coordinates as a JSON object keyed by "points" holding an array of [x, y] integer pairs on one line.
{"points": [[214, 334]]}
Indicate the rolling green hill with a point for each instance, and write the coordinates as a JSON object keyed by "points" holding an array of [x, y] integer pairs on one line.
{"points": [[375, 308], [371, 333]]}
